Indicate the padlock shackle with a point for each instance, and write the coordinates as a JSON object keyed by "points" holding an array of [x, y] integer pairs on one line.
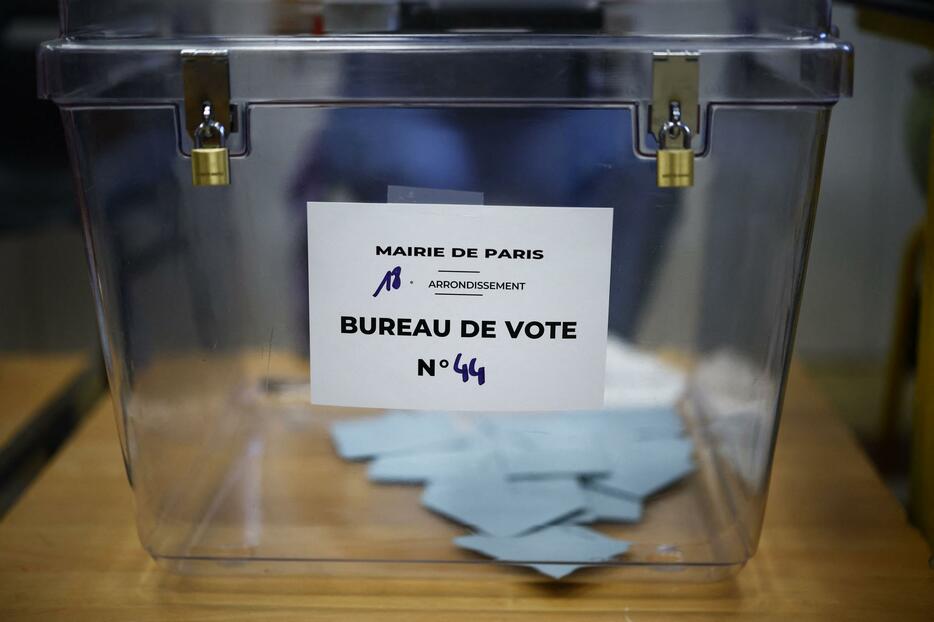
{"points": [[666, 131], [210, 126]]}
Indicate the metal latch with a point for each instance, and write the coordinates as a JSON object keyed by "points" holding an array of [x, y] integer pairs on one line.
{"points": [[206, 82], [675, 115]]}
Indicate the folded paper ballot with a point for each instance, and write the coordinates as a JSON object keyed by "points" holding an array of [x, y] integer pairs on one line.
{"points": [[736, 398], [526, 482], [635, 378], [545, 550]]}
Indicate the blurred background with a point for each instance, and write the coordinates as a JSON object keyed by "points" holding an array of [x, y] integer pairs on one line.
{"points": [[872, 203]]}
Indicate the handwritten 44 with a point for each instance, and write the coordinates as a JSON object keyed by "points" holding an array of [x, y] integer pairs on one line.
{"points": [[466, 370]]}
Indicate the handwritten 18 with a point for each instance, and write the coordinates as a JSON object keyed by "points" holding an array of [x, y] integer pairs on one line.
{"points": [[392, 280]]}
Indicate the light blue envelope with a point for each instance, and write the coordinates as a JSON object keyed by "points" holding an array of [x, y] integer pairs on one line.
{"points": [[396, 432], [532, 464], [504, 508], [644, 468], [431, 466], [606, 508], [545, 550]]}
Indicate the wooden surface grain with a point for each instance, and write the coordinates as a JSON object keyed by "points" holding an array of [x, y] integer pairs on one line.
{"points": [[29, 382], [835, 545]]}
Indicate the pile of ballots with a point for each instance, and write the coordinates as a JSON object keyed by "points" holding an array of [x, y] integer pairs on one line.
{"points": [[531, 485]]}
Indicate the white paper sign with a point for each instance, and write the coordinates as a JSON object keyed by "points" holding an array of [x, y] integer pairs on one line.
{"points": [[458, 307]]}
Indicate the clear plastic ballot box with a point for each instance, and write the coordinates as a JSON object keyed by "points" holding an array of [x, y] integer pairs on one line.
{"points": [[501, 289]]}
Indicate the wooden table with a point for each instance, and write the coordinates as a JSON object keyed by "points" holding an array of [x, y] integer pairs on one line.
{"points": [[28, 382], [836, 545], [42, 396]]}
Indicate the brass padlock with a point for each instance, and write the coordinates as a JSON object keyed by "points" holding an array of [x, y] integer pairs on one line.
{"points": [[675, 167], [210, 166]]}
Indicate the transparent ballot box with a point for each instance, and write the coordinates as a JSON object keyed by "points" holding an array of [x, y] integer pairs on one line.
{"points": [[464, 289]]}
